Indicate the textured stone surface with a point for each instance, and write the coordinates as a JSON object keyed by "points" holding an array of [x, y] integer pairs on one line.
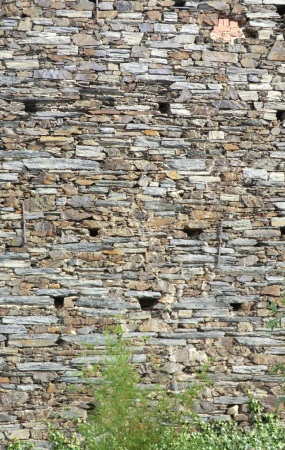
{"points": [[142, 184]]}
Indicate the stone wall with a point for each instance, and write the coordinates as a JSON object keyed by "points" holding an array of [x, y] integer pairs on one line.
{"points": [[142, 183]]}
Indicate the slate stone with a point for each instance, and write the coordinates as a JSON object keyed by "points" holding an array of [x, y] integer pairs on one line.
{"points": [[41, 367], [60, 164], [32, 300], [142, 185]]}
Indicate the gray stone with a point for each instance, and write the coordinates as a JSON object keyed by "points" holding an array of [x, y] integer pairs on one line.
{"points": [[60, 164], [41, 367]]}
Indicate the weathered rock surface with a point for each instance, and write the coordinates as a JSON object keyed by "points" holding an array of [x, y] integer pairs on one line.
{"points": [[142, 183]]}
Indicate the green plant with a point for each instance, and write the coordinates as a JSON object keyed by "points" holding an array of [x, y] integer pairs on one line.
{"points": [[19, 445], [127, 417], [62, 442], [275, 321], [265, 432]]}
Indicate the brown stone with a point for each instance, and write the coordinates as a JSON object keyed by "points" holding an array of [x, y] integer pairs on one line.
{"points": [[200, 215], [74, 214], [82, 39], [208, 19], [173, 175], [277, 52], [46, 178], [70, 189], [155, 325], [153, 15], [112, 252], [159, 222], [180, 56], [231, 147], [5, 380], [151, 133], [274, 290]]}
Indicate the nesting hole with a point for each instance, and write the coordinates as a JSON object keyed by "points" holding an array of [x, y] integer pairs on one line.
{"points": [[192, 232], [280, 9], [147, 303], [179, 3], [164, 107], [30, 106], [236, 306], [280, 114], [59, 302], [94, 232]]}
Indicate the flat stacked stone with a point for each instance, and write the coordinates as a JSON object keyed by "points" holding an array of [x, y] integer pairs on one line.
{"points": [[142, 184]]}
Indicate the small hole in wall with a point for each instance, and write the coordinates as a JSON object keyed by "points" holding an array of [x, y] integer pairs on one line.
{"points": [[280, 9], [59, 302], [250, 33], [109, 101], [282, 229], [179, 3], [236, 306], [94, 231], [59, 341], [147, 303], [280, 114], [192, 232], [30, 106], [164, 107]]}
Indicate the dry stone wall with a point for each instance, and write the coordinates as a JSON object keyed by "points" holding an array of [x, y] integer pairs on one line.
{"points": [[142, 183]]}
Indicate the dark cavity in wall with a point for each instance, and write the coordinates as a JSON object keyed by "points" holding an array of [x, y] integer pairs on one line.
{"points": [[282, 229], [59, 342], [280, 114], [147, 303], [30, 105], [94, 231], [108, 101], [179, 3], [236, 306], [59, 301], [164, 107], [250, 33], [192, 232], [280, 9]]}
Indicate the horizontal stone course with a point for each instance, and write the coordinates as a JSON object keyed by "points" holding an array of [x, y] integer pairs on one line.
{"points": [[142, 185]]}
